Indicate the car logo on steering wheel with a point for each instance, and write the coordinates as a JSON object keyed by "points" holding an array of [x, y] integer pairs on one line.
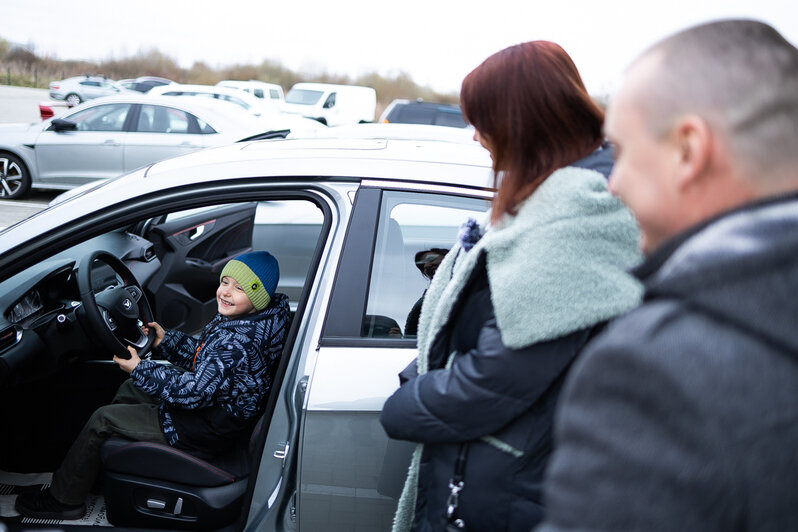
{"points": [[127, 303]]}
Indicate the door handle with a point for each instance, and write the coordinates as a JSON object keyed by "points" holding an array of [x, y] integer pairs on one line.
{"points": [[110, 142]]}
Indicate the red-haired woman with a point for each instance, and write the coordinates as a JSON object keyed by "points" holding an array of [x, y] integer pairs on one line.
{"points": [[511, 305]]}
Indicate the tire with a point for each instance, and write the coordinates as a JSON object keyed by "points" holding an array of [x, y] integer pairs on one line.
{"points": [[14, 177], [72, 99]]}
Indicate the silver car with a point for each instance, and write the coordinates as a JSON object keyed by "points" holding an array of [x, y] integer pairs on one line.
{"points": [[82, 88], [109, 136], [345, 218]]}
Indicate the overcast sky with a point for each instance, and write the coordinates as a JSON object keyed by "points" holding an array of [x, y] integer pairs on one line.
{"points": [[437, 42]]}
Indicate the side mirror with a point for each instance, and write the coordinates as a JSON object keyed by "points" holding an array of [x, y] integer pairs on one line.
{"points": [[59, 124]]}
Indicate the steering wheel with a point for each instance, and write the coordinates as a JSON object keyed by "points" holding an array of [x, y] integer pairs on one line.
{"points": [[116, 314]]}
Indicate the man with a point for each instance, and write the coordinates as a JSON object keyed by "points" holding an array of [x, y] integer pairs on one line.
{"points": [[683, 414]]}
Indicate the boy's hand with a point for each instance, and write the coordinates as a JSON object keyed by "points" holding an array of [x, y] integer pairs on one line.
{"points": [[159, 332], [128, 365]]}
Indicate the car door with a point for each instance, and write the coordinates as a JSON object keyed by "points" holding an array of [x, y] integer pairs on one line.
{"points": [[350, 474], [93, 150], [159, 132]]}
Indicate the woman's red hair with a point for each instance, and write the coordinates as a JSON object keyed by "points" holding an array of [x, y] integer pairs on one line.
{"points": [[530, 105]]}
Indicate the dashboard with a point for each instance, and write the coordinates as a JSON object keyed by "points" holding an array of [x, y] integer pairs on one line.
{"points": [[40, 325]]}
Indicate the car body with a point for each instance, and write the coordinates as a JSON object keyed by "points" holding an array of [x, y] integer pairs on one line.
{"points": [[260, 89], [143, 84], [246, 101], [106, 137], [345, 218], [397, 131], [330, 104], [421, 112], [79, 89]]}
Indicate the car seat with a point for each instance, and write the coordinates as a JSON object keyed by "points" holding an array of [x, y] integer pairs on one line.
{"points": [[156, 485]]}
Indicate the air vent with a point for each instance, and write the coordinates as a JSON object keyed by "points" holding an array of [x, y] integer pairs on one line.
{"points": [[9, 337]]}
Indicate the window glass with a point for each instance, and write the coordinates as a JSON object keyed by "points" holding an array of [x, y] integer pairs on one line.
{"points": [[303, 96], [273, 94], [414, 233], [258, 93], [109, 117], [161, 119]]}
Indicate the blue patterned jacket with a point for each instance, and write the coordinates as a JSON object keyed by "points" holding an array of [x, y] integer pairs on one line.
{"points": [[219, 383]]}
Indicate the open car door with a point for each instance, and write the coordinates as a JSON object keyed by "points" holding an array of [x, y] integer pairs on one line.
{"points": [[194, 246]]}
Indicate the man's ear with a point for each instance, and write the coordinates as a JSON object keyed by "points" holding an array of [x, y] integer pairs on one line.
{"points": [[692, 138]]}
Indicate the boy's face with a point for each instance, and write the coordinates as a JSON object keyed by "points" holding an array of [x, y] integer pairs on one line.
{"points": [[231, 299]]}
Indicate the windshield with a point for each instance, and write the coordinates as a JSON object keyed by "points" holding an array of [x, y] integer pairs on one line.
{"points": [[303, 96]]}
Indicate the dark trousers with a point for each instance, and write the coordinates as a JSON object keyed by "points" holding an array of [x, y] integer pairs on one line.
{"points": [[132, 414]]}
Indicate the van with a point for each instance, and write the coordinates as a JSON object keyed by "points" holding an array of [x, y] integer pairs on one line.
{"points": [[260, 89], [332, 104]]}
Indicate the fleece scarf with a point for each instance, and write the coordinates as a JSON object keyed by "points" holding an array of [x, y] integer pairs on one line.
{"points": [[559, 265]]}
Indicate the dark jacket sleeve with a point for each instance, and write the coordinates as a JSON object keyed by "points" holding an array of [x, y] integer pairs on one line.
{"points": [[633, 448], [178, 348], [485, 389]]}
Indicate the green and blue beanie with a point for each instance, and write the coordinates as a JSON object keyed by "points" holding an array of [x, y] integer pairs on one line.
{"points": [[257, 273]]}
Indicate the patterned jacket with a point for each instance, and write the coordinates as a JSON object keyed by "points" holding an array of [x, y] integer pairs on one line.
{"points": [[219, 382]]}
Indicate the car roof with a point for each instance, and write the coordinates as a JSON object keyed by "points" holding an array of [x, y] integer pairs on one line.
{"points": [[423, 162], [400, 131]]}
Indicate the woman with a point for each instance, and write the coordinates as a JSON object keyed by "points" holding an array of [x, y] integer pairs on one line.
{"points": [[509, 308]]}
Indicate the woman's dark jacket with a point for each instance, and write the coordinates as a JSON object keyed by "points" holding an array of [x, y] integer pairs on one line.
{"points": [[499, 389]]}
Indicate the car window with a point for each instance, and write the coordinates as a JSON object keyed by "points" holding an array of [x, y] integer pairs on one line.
{"points": [[162, 119], [90, 83], [273, 94], [110, 117], [414, 232], [258, 93], [303, 96]]}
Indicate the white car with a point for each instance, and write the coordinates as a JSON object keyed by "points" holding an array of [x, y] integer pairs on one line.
{"points": [[260, 89], [82, 88], [345, 219], [246, 101], [106, 137]]}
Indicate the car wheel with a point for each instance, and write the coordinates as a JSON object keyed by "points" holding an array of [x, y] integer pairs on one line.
{"points": [[72, 99], [14, 177]]}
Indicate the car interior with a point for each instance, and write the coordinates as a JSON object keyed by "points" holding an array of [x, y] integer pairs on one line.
{"points": [[64, 317]]}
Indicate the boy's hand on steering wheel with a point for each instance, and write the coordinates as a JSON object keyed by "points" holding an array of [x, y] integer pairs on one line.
{"points": [[128, 365]]}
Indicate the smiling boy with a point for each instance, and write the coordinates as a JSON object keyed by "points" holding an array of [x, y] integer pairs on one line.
{"points": [[205, 402]]}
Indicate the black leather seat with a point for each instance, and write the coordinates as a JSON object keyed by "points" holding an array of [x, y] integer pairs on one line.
{"points": [[158, 486]]}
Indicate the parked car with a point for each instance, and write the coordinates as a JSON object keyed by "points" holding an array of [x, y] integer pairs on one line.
{"points": [[82, 88], [421, 112], [106, 137], [332, 105], [345, 218], [247, 102], [144, 83], [259, 89]]}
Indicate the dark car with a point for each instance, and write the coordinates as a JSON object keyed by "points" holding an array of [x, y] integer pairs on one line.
{"points": [[144, 83], [421, 112]]}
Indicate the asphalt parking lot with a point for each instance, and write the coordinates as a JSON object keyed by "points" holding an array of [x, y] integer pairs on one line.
{"points": [[21, 104], [12, 211]]}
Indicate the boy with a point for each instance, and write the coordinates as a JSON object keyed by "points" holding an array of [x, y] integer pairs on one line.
{"points": [[207, 401]]}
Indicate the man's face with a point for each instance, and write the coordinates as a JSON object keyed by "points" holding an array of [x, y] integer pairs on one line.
{"points": [[644, 172]]}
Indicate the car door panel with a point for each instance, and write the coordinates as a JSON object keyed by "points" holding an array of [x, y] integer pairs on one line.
{"points": [[193, 249], [351, 474], [76, 157]]}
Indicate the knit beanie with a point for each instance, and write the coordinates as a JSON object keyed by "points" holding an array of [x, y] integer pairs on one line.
{"points": [[257, 273]]}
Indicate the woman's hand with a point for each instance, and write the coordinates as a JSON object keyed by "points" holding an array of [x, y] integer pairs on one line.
{"points": [[128, 365], [159, 332]]}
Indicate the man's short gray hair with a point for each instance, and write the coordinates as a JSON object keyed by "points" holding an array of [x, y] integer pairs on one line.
{"points": [[741, 76]]}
